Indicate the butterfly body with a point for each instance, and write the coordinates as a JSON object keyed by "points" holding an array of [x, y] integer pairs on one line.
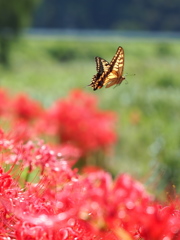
{"points": [[109, 74]]}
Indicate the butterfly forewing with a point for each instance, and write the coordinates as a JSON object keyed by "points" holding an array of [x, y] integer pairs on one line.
{"points": [[117, 65], [117, 62]]}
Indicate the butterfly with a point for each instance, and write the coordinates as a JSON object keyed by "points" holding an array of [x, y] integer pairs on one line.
{"points": [[109, 74]]}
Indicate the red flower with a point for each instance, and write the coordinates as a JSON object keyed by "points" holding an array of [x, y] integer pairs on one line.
{"points": [[75, 120], [65, 205], [53, 200], [4, 102], [25, 108], [78, 121]]}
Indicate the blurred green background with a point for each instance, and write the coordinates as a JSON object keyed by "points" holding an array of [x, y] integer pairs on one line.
{"points": [[147, 103], [48, 66]]}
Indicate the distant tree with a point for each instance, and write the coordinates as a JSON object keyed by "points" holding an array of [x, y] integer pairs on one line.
{"points": [[153, 15], [14, 15]]}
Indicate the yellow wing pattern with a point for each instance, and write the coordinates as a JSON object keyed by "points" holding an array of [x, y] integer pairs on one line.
{"points": [[101, 65]]}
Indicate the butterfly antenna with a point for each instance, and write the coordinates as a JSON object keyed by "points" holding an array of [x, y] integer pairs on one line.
{"points": [[87, 86]]}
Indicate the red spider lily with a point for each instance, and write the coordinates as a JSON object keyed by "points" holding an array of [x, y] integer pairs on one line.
{"points": [[25, 108], [162, 220], [84, 207], [75, 120], [61, 204], [36, 154], [42, 212], [4, 102], [78, 121], [22, 130], [5, 181], [125, 204]]}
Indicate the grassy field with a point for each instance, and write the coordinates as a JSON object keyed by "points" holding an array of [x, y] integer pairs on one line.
{"points": [[147, 104]]}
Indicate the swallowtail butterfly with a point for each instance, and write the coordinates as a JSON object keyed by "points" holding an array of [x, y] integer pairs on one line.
{"points": [[109, 74]]}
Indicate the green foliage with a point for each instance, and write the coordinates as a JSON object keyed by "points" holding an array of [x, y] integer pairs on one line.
{"points": [[167, 80], [164, 49], [66, 51], [147, 106], [14, 15]]}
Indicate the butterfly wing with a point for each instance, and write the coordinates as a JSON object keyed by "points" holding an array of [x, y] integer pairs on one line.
{"points": [[117, 66], [102, 66], [118, 62]]}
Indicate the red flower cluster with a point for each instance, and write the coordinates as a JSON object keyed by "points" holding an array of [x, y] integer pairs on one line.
{"points": [[65, 205], [78, 121], [25, 108], [43, 198], [75, 120]]}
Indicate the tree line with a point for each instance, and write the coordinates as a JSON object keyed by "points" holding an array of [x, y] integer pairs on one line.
{"points": [[155, 15], [115, 14]]}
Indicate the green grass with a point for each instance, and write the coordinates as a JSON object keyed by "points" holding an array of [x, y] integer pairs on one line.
{"points": [[147, 106]]}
